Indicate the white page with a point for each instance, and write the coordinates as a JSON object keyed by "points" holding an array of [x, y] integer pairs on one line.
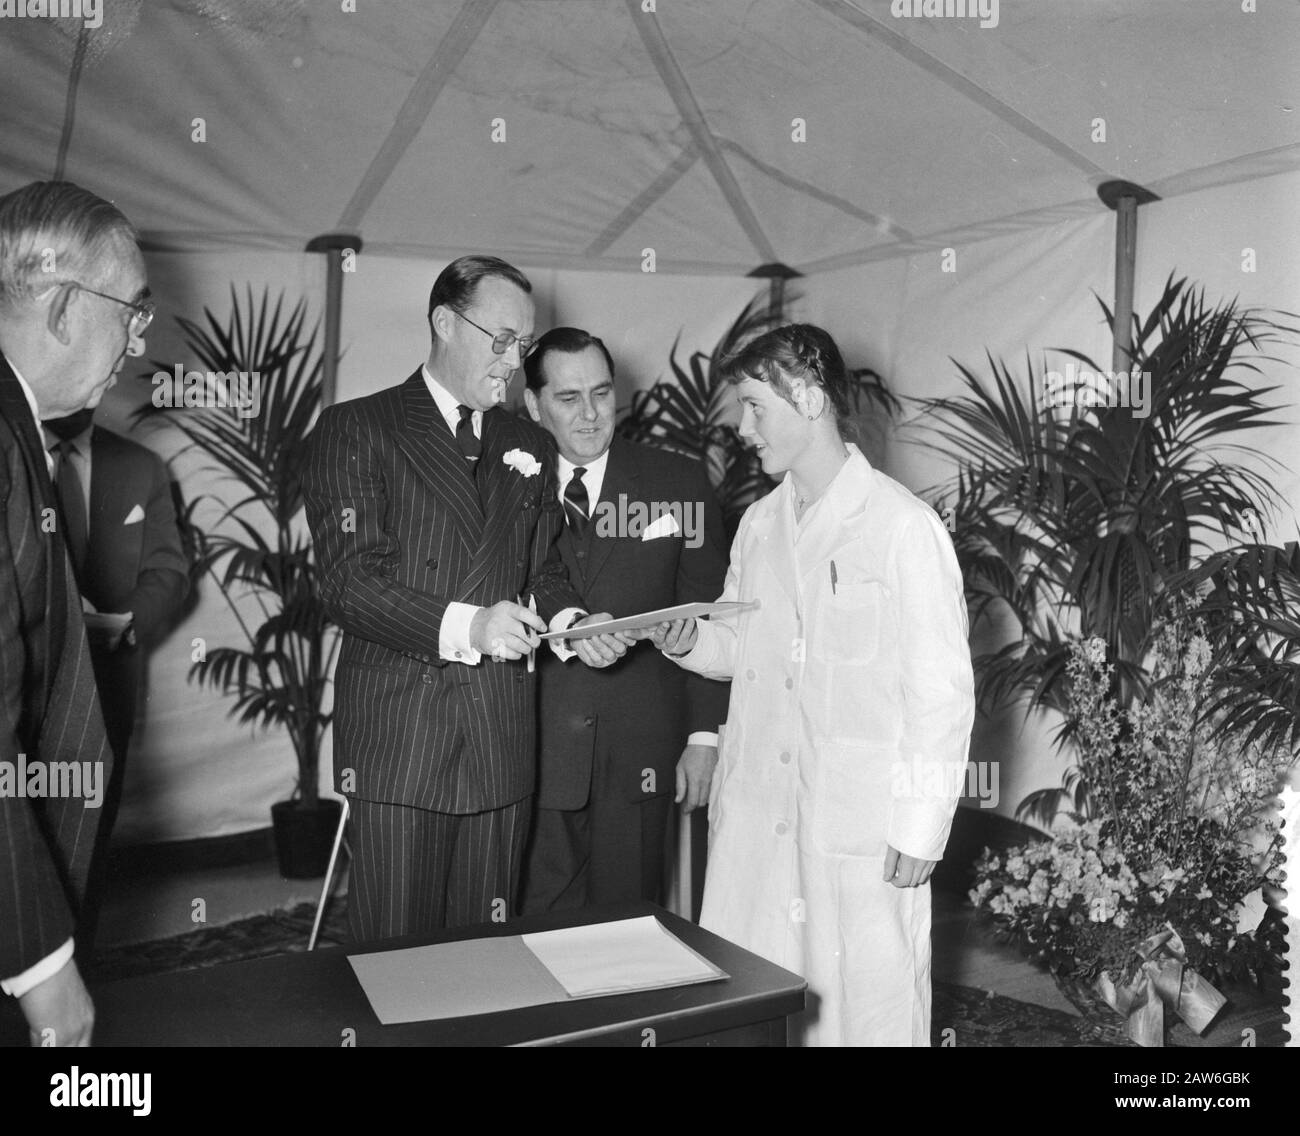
{"points": [[619, 956]]}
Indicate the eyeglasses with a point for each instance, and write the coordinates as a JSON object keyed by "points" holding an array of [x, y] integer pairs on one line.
{"points": [[142, 311], [502, 341]]}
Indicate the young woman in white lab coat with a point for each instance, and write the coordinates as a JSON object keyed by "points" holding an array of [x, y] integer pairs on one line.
{"points": [[846, 739]]}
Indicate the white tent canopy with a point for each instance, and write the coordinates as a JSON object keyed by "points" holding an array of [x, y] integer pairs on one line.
{"points": [[933, 180], [618, 129]]}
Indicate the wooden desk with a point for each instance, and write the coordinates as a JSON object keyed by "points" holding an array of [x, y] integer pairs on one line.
{"points": [[313, 999]]}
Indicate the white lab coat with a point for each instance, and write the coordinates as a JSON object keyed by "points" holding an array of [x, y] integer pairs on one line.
{"points": [[848, 729]]}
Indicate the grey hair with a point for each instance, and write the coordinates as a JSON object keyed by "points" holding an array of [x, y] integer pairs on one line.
{"points": [[52, 232]]}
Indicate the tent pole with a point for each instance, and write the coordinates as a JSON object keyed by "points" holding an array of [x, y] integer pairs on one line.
{"points": [[776, 275], [1124, 197], [333, 245]]}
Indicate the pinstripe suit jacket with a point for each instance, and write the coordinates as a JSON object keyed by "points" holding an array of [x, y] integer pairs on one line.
{"points": [[49, 708], [399, 535]]}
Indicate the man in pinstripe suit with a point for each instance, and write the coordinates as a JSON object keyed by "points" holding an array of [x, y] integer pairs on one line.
{"points": [[72, 302], [433, 511]]}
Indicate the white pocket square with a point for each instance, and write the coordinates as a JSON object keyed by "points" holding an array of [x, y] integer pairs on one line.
{"points": [[135, 516], [664, 526]]}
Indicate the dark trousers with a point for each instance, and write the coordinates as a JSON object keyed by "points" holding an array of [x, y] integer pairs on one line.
{"points": [[609, 851], [117, 677], [415, 871]]}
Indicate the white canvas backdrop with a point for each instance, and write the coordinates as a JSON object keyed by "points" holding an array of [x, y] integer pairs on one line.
{"points": [[195, 773]]}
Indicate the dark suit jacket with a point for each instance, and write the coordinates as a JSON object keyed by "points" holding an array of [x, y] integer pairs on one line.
{"points": [[49, 709], [138, 567], [399, 536], [636, 714]]}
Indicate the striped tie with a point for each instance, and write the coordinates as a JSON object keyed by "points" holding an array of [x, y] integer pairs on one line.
{"points": [[576, 503]]}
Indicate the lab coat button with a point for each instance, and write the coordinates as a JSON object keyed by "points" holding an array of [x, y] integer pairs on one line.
{"points": [[785, 757], [781, 827], [789, 684], [749, 674]]}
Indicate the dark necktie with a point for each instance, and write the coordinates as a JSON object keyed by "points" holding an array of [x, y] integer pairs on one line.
{"points": [[72, 505], [469, 445], [576, 502]]}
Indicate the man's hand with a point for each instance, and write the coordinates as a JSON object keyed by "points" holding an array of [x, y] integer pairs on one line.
{"points": [[674, 638], [62, 1005], [601, 650], [904, 871], [505, 631], [694, 773]]}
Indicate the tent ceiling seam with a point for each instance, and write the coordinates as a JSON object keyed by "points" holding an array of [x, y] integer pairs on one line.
{"points": [[958, 82], [635, 208], [70, 105], [881, 224], [415, 109], [684, 98]]}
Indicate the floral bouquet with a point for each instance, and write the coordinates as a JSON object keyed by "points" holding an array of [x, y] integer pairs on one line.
{"points": [[1150, 890]]}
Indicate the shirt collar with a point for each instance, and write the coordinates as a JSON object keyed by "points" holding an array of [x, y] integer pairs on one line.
{"points": [[27, 393], [448, 404], [36, 416], [595, 469]]}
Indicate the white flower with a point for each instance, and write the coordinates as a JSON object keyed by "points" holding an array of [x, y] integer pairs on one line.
{"points": [[522, 462], [1198, 655], [1096, 648]]}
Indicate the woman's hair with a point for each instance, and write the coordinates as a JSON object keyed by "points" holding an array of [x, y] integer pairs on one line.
{"points": [[797, 351]]}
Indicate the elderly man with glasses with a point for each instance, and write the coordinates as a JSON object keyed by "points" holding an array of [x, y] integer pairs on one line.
{"points": [[434, 514], [73, 304]]}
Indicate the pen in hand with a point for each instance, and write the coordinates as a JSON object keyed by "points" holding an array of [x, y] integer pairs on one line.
{"points": [[532, 655]]}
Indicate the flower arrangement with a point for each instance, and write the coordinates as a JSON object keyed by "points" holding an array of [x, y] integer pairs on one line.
{"points": [[1173, 839]]}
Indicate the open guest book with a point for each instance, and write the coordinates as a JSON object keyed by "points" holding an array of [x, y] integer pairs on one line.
{"points": [[652, 618], [484, 976]]}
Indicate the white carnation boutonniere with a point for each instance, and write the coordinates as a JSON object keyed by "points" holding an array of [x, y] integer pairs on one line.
{"points": [[521, 461]]}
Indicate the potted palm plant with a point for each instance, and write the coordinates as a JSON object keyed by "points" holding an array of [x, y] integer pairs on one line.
{"points": [[259, 551], [1083, 522], [1175, 667]]}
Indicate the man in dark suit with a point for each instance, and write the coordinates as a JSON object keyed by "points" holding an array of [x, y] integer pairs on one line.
{"points": [[433, 513], [643, 532], [73, 300], [119, 519]]}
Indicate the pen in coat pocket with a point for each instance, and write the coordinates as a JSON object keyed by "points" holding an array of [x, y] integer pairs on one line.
{"points": [[834, 579]]}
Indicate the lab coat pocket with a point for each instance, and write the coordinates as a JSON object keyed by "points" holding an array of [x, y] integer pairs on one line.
{"points": [[847, 625], [851, 799]]}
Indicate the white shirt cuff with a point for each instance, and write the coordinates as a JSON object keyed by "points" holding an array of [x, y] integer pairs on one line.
{"points": [[560, 623], [453, 634], [703, 738], [33, 976]]}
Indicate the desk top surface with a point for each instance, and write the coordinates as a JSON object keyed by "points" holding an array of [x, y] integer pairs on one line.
{"points": [[313, 999]]}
